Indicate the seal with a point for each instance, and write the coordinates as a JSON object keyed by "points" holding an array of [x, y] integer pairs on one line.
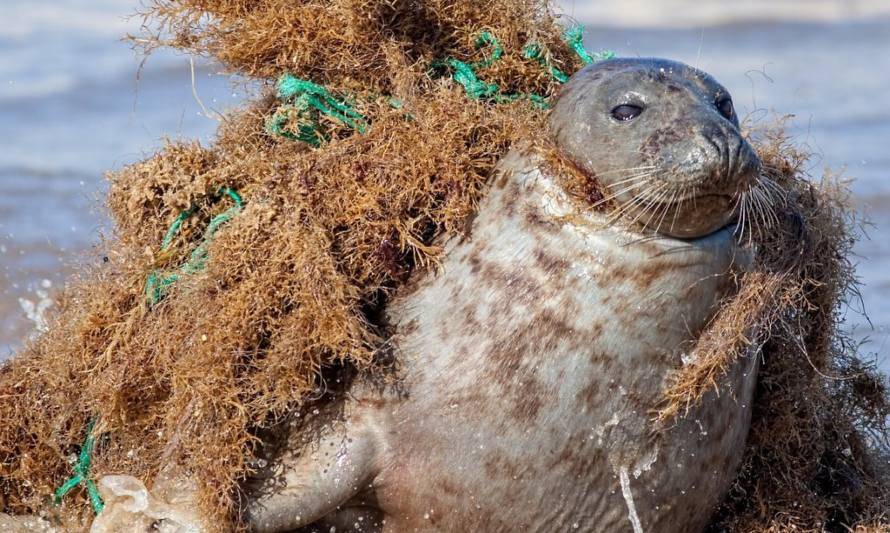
{"points": [[532, 360]]}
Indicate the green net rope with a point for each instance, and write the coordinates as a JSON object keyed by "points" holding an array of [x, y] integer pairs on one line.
{"points": [[536, 52], [157, 284], [308, 101], [82, 473], [465, 74], [574, 37]]}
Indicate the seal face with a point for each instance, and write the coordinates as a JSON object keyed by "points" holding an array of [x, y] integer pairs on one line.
{"points": [[533, 360], [663, 138]]}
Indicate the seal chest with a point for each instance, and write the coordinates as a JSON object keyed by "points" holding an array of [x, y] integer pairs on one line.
{"points": [[553, 341]]}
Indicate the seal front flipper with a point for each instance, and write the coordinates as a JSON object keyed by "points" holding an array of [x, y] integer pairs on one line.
{"points": [[309, 482]]}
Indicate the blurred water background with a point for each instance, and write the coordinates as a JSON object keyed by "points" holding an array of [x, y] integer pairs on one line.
{"points": [[74, 103]]}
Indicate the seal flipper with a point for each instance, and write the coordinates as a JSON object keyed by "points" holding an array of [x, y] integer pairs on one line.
{"points": [[308, 483]]}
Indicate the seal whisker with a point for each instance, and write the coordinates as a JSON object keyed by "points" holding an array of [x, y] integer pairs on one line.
{"points": [[662, 207], [628, 169], [683, 198], [634, 178], [773, 187], [624, 208], [630, 183], [749, 220], [637, 201], [757, 208], [672, 201], [765, 200], [616, 194], [741, 202], [665, 190], [774, 194]]}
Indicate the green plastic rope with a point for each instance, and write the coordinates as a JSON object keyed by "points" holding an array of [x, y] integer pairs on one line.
{"points": [[534, 51], [82, 474], [157, 284], [574, 38], [486, 38], [465, 74], [309, 101]]}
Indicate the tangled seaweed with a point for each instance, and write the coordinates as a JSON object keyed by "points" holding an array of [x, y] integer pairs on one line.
{"points": [[294, 284]]}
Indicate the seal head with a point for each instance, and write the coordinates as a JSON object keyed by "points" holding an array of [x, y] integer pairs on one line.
{"points": [[662, 140]]}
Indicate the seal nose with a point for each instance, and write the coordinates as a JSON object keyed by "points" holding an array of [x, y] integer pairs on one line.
{"points": [[701, 155], [731, 155]]}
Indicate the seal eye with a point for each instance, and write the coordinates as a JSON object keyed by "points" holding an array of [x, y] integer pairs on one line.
{"points": [[725, 107], [626, 112]]}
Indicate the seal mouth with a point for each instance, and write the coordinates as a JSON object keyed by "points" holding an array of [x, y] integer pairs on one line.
{"points": [[690, 216], [751, 207]]}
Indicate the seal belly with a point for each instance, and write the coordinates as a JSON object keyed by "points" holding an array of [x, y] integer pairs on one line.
{"points": [[533, 362]]}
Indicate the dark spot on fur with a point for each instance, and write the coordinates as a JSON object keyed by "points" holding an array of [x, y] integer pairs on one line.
{"points": [[468, 314], [550, 263], [501, 180], [654, 270], [513, 363], [474, 258], [528, 405], [499, 466], [612, 275], [579, 461], [511, 199], [651, 271], [447, 487], [536, 223], [409, 327], [590, 394]]}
